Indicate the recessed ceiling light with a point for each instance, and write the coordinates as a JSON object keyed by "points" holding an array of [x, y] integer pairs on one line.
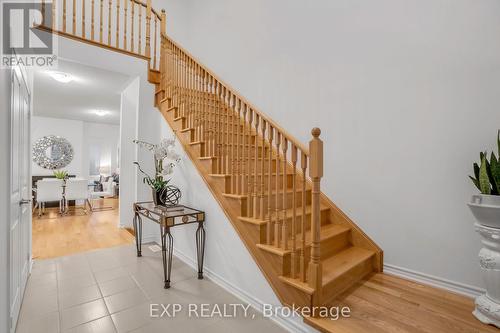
{"points": [[100, 113], [61, 77]]}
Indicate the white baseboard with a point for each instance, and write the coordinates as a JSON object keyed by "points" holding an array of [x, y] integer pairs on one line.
{"points": [[434, 281], [290, 324]]}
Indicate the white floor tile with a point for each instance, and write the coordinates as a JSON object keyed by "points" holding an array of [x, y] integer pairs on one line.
{"points": [[79, 296], [125, 300], [101, 325], [115, 286], [83, 313]]}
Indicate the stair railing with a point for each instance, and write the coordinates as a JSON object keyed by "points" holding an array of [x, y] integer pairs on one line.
{"points": [[128, 26], [260, 159]]}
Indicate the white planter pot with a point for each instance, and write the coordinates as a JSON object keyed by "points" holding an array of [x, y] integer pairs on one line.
{"points": [[486, 209]]}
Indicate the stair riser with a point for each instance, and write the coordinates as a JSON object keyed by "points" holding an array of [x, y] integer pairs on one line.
{"points": [[248, 182], [338, 285], [298, 221]]}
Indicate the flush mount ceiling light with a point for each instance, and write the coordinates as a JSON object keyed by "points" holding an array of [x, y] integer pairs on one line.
{"points": [[61, 77], [100, 113]]}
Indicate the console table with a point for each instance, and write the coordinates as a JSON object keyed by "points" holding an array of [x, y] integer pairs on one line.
{"points": [[169, 217]]}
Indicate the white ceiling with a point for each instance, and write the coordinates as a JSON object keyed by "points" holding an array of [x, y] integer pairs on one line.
{"points": [[92, 89]]}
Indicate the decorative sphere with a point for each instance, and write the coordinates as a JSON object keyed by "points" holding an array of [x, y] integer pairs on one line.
{"points": [[170, 195]]}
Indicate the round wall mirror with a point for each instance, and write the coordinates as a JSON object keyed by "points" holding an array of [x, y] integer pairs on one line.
{"points": [[52, 152]]}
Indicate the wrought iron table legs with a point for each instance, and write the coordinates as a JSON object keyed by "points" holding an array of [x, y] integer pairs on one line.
{"points": [[167, 257], [200, 248], [138, 233]]}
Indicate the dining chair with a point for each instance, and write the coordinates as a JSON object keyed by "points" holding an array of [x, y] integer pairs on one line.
{"points": [[77, 189], [48, 191], [107, 192]]}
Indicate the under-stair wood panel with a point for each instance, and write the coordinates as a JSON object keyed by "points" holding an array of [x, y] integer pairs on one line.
{"points": [[306, 247]]}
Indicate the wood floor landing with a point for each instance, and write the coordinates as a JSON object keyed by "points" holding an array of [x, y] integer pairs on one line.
{"points": [[384, 304], [55, 236]]}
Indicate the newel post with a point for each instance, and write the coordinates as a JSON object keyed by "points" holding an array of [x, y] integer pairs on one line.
{"points": [[148, 29], [163, 23], [315, 172]]}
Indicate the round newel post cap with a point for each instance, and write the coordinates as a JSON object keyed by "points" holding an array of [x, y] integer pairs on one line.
{"points": [[163, 10], [316, 132]]}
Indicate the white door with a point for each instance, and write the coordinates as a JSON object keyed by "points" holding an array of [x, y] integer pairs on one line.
{"points": [[20, 207]]}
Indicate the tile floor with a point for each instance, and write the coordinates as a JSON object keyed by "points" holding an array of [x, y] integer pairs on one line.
{"points": [[110, 290]]}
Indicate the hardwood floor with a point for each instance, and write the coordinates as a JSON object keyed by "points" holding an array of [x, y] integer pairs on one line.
{"points": [[55, 236], [385, 303]]}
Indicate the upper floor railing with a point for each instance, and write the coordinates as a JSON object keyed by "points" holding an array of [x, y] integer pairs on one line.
{"points": [[129, 26]]}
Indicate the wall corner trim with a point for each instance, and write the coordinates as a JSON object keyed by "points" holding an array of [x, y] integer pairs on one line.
{"points": [[434, 281]]}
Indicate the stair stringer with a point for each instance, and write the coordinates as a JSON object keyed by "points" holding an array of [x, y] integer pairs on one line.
{"points": [[286, 294]]}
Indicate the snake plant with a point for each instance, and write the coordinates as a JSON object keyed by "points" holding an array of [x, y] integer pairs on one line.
{"points": [[487, 174]]}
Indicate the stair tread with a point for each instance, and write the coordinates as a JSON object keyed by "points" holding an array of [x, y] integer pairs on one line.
{"points": [[289, 214], [338, 264], [327, 231]]}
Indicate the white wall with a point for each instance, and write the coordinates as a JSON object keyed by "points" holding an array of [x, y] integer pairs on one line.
{"points": [[81, 135], [405, 92]]}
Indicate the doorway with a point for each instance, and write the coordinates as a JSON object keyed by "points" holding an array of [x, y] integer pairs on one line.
{"points": [[75, 171]]}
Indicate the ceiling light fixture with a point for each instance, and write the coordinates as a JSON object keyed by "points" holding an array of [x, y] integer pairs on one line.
{"points": [[61, 77], [101, 113]]}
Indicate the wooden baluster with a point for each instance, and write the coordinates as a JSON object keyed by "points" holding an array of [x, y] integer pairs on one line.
{"points": [[54, 15], [155, 41], [139, 26], [124, 24], [315, 172], [262, 166], [303, 164], [269, 217], [227, 99], [220, 131], [244, 168], [43, 13], [109, 22], [73, 26], [277, 225], [223, 120], [285, 188], [101, 20], [148, 29], [238, 148], [216, 128], [64, 15], [92, 18], [117, 23], [234, 179], [83, 19], [255, 193], [293, 270], [206, 109], [248, 164], [132, 19]]}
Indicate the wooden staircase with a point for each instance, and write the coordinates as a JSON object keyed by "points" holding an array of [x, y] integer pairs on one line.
{"points": [[266, 181]]}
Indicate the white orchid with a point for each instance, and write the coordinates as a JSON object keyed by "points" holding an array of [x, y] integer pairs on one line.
{"points": [[165, 150]]}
